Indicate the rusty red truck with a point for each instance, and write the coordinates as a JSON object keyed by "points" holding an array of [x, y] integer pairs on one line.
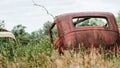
{"points": [[71, 35]]}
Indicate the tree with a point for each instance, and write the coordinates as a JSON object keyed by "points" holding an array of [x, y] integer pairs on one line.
{"points": [[46, 27], [92, 22], [37, 34], [118, 20], [21, 34], [41, 32], [2, 24], [18, 30]]}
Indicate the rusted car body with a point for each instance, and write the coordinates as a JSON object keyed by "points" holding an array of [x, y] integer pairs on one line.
{"points": [[70, 36]]}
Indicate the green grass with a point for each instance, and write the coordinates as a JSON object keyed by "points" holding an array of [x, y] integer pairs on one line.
{"points": [[40, 55]]}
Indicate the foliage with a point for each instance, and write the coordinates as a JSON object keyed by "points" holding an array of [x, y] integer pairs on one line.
{"points": [[46, 27], [7, 47], [92, 22], [118, 20], [37, 34], [2, 24], [41, 32], [20, 33], [38, 53]]}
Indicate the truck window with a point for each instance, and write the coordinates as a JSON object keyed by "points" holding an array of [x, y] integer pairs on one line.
{"points": [[90, 22]]}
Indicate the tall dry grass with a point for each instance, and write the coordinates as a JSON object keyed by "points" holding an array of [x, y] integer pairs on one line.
{"points": [[39, 55], [92, 59]]}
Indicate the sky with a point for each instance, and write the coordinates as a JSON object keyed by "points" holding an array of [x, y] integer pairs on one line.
{"points": [[24, 12]]}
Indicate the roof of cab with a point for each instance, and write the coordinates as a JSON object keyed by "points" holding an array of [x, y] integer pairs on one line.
{"points": [[78, 14]]}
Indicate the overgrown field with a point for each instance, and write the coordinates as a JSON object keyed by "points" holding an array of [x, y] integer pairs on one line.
{"points": [[40, 55]]}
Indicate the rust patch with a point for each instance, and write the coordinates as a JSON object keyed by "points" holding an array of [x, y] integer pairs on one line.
{"points": [[70, 36]]}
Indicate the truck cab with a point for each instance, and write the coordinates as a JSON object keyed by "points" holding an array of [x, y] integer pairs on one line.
{"points": [[75, 30]]}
